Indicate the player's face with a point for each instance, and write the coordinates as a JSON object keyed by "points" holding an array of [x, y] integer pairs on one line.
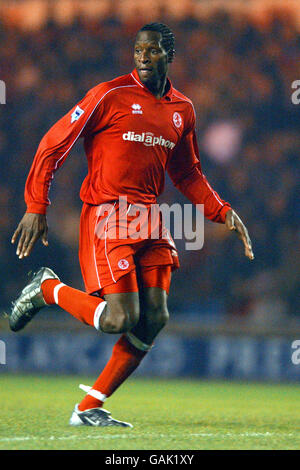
{"points": [[151, 59]]}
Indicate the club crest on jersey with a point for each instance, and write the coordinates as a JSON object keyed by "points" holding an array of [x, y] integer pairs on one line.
{"points": [[123, 264], [136, 108], [76, 114], [177, 119]]}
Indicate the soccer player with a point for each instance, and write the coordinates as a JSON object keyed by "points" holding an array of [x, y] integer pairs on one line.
{"points": [[135, 128]]}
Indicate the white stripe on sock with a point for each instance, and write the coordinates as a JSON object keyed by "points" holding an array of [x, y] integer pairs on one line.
{"points": [[98, 313], [94, 393], [137, 343], [55, 292]]}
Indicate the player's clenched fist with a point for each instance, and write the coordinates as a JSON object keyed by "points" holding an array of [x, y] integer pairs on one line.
{"points": [[29, 230]]}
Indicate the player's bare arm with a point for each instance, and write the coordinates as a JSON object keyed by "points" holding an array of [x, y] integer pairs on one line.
{"points": [[30, 229], [234, 223]]}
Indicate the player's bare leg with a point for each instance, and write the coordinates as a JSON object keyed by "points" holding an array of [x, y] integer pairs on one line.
{"points": [[121, 313], [154, 314]]}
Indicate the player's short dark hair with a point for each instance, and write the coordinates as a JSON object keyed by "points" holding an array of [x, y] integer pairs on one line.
{"points": [[168, 38]]}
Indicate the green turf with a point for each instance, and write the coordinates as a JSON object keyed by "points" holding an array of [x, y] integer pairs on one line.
{"points": [[166, 414]]}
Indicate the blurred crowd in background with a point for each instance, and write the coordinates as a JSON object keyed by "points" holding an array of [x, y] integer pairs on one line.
{"points": [[239, 75]]}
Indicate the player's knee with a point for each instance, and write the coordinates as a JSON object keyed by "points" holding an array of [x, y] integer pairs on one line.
{"points": [[158, 316], [127, 320], [120, 321], [163, 317]]}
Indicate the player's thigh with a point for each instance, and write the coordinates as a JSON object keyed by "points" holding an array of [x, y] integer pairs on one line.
{"points": [[155, 308], [154, 314], [155, 288], [123, 302]]}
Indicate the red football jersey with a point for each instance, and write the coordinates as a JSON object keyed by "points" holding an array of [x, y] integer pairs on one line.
{"points": [[131, 139]]}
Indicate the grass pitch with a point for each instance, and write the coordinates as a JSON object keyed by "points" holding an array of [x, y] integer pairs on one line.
{"points": [[166, 414]]}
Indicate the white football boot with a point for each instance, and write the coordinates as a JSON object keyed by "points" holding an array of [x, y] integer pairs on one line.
{"points": [[94, 416]]}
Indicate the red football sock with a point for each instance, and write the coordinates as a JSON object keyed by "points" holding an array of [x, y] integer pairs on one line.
{"points": [[124, 360], [79, 304]]}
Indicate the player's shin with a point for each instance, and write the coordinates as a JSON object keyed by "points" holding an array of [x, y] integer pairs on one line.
{"points": [[126, 357], [86, 308]]}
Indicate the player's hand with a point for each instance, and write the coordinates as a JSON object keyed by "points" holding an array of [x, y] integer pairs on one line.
{"points": [[30, 229], [234, 223]]}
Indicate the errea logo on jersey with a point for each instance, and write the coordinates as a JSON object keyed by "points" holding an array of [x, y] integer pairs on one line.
{"points": [[148, 139], [136, 108]]}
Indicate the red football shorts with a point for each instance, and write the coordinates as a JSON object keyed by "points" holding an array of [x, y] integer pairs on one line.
{"points": [[122, 249]]}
